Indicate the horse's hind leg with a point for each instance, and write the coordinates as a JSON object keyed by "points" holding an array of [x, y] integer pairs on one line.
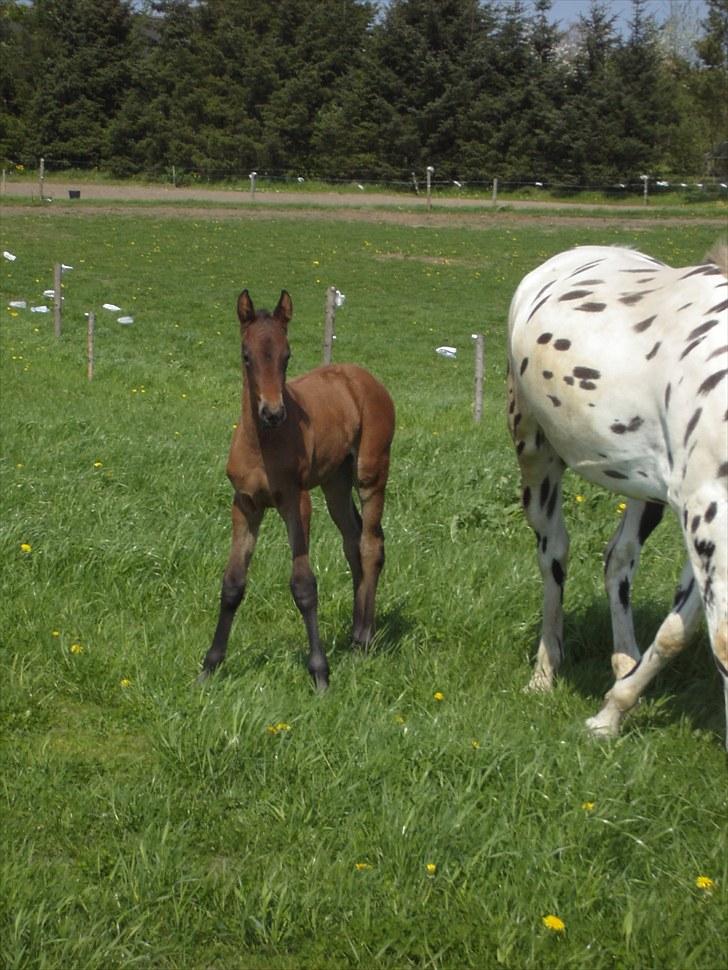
{"points": [[672, 637], [372, 470], [296, 511], [246, 519], [620, 564], [541, 474], [345, 515]]}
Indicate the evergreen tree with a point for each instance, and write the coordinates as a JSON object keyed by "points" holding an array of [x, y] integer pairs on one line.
{"points": [[590, 127], [711, 86], [81, 74], [643, 106], [16, 78]]}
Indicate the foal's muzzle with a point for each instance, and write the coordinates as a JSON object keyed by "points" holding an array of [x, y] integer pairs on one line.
{"points": [[271, 416]]}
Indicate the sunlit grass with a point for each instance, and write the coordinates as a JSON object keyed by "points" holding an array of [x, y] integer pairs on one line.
{"points": [[425, 812]]}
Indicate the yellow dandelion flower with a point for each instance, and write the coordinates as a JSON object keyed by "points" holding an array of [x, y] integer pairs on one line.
{"points": [[125, 682], [622, 506], [475, 744], [277, 728], [579, 498], [76, 648], [705, 883], [554, 923], [25, 547], [55, 633], [438, 695], [588, 806], [362, 866], [98, 464], [431, 869], [399, 719]]}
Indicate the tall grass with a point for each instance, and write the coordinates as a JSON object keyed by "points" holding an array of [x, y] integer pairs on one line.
{"points": [[146, 823]]}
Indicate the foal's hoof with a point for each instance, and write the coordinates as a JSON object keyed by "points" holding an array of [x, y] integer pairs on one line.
{"points": [[203, 677], [320, 680]]}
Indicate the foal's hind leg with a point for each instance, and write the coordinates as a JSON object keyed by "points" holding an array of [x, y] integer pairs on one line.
{"points": [[345, 515], [296, 510], [371, 479], [620, 564], [246, 519], [541, 474]]}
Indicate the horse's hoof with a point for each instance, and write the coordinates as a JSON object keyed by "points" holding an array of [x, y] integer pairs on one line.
{"points": [[540, 683], [602, 728], [622, 665], [202, 678]]}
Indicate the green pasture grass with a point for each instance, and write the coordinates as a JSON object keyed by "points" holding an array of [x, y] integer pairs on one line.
{"points": [[253, 824]]}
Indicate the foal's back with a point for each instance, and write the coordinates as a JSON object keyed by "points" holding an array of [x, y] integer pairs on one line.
{"points": [[342, 410]]}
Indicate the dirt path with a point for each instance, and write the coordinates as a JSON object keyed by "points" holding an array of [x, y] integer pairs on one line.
{"points": [[365, 206]]}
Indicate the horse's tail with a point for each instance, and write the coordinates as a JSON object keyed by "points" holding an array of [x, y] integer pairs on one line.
{"points": [[718, 254]]}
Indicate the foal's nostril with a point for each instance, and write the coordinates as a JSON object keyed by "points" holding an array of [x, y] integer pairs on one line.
{"points": [[272, 417]]}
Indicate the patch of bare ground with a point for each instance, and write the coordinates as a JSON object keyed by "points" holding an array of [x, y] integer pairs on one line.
{"points": [[373, 207]]}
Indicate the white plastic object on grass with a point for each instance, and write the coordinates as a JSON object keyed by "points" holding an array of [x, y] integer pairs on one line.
{"points": [[111, 306], [18, 304], [447, 351], [125, 320], [40, 309], [339, 298], [9, 256]]}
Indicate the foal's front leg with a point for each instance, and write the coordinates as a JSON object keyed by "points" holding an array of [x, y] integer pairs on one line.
{"points": [[297, 514], [246, 519]]}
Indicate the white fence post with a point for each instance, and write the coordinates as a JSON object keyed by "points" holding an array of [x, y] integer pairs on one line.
{"points": [[479, 370], [57, 299]]}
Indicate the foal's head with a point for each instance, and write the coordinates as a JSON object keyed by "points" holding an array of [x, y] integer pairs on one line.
{"points": [[264, 341]]}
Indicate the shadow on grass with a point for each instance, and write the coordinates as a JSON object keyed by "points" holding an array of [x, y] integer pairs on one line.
{"points": [[688, 688]]}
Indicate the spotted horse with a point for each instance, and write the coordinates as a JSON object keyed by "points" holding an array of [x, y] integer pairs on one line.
{"points": [[618, 368]]}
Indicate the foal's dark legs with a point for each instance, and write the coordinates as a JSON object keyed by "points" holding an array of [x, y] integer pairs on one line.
{"points": [[246, 521], [297, 514]]}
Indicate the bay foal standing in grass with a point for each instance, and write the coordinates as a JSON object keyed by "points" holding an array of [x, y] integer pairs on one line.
{"points": [[331, 427], [618, 368]]}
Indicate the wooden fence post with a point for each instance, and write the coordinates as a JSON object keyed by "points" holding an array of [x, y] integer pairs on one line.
{"points": [[329, 322], [479, 368], [57, 300], [90, 345], [252, 178], [495, 191], [42, 179]]}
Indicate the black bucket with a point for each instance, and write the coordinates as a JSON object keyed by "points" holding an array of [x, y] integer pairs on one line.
{"points": [[74, 193]]}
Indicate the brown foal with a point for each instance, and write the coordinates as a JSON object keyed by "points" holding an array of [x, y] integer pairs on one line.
{"points": [[331, 427]]}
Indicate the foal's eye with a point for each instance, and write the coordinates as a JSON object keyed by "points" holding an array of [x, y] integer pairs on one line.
{"points": [[246, 358]]}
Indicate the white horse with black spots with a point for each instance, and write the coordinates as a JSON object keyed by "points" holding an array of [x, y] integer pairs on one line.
{"points": [[618, 368]]}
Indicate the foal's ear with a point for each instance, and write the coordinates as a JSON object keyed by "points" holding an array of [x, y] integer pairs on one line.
{"points": [[246, 310], [284, 310]]}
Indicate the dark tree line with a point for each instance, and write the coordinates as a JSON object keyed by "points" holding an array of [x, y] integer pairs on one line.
{"points": [[359, 89]]}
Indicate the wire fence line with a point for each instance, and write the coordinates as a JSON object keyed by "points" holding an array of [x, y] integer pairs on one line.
{"points": [[643, 184]]}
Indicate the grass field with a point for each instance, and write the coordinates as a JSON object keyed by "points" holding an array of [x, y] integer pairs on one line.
{"points": [[424, 812]]}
